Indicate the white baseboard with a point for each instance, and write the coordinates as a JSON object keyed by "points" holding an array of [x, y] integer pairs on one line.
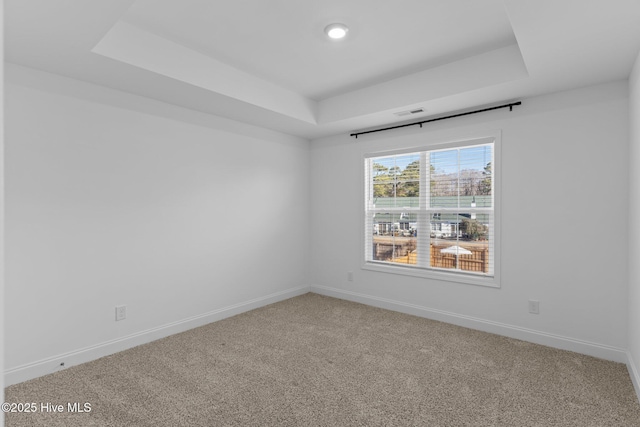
{"points": [[53, 364], [634, 374], [551, 340]]}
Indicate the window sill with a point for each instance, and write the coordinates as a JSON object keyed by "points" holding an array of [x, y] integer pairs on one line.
{"points": [[435, 274]]}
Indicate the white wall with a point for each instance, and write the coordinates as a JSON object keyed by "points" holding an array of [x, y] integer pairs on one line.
{"points": [[634, 226], [564, 218], [114, 199]]}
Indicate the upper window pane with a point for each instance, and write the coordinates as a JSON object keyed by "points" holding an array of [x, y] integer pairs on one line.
{"points": [[396, 181], [475, 176], [461, 177]]}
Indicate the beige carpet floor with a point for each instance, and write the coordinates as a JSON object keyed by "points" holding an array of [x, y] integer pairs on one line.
{"points": [[319, 361]]}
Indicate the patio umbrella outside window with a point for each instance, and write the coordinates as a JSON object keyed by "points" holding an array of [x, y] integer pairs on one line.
{"points": [[456, 250]]}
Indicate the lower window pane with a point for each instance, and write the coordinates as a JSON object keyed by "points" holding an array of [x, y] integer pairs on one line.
{"points": [[394, 238], [460, 242]]}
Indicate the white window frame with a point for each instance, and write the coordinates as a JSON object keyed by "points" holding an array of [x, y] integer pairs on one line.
{"points": [[421, 270]]}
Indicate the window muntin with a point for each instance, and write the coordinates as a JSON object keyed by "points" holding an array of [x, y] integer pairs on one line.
{"points": [[449, 193]]}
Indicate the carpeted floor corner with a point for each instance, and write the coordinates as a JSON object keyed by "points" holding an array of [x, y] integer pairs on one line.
{"points": [[319, 361]]}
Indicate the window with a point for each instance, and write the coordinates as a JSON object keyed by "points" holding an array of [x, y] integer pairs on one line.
{"points": [[432, 212]]}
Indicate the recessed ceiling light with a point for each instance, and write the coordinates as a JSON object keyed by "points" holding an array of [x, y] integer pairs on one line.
{"points": [[336, 31]]}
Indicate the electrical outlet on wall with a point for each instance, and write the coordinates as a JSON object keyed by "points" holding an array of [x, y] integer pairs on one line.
{"points": [[350, 276], [121, 312], [534, 307]]}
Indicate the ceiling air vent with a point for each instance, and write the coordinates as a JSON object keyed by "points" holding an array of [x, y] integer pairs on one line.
{"points": [[409, 112]]}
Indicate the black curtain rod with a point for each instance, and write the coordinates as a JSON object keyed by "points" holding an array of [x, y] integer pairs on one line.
{"points": [[510, 106]]}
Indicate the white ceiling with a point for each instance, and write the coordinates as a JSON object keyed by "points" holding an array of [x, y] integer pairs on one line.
{"points": [[268, 63], [283, 41]]}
